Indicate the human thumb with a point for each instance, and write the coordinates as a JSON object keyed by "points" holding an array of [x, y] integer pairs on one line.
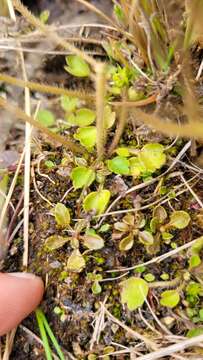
{"points": [[20, 294]]}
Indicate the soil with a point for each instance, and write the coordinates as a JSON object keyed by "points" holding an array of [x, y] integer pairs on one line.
{"points": [[70, 291]]}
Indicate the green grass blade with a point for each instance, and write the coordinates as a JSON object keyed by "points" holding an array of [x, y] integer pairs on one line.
{"points": [[52, 337], [40, 321]]}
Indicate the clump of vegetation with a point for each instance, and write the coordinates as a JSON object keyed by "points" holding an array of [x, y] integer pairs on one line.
{"points": [[116, 203]]}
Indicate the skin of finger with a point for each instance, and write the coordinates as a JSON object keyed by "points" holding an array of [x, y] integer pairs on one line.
{"points": [[18, 298]]}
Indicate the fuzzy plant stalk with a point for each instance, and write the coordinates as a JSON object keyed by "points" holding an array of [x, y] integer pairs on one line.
{"points": [[100, 104], [20, 114], [121, 124], [44, 88]]}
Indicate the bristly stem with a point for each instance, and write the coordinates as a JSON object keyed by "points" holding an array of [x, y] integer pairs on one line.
{"points": [[100, 104], [44, 88], [20, 114], [120, 126]]}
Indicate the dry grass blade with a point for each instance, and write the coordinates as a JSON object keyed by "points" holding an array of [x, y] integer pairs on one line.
{"points": [[9, 344], [134, 334], [28, 134], [182, 345], [97, 11]]}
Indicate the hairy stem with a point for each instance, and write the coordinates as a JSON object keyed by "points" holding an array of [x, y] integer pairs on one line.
{"points": [[19, 113]]}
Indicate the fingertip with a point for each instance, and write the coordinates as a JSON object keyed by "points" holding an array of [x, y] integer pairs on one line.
{"points": [[21, 293]]}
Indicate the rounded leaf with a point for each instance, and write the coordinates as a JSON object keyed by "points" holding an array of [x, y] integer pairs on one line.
{"points": [[119, 165], [160, 213], [82, 117], [194, 261], [82, 177], [87, 136], [97, 201], [146, 238], [134, 292], [96, 288], [76, 262], [121, 226], [46, 118], [69, 103], [179, 219], [55, 242], [77, 66], [62, 215], [152, 157], [93, 242], [136, 167], [126, 243], [170, 298]]}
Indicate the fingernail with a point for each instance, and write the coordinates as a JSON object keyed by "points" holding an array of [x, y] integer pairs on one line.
{"points": [[23, 275]]}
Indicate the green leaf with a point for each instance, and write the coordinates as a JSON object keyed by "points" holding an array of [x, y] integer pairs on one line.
{"points": [[96, 288], [160, 213], [82, 117], [198, 245], [93, 242], [121, 226], [194, 261], [195, 332], [76, 262], [126, 243], [97, 201], [154, 223], [82, 177], [109, 117], [149, 277], [62, 215], [146, 238], [119, 165], [123, 151], [119, 12], [44, 16], [152, 157], [134, 292], [69, 103], [167, 236], [49, 164], [179, 219], [136, 167], [77, 66], [170, 298], [104, 228], [46, 118], [87, 136], [55, 242]]}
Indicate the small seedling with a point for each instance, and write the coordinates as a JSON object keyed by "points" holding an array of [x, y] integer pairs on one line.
{"points": [[62, 215], [77, 66], [76, 261], [87, 136], [170, 298], [97, 201], [46, 118], [134, 292], [82, 177]]}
